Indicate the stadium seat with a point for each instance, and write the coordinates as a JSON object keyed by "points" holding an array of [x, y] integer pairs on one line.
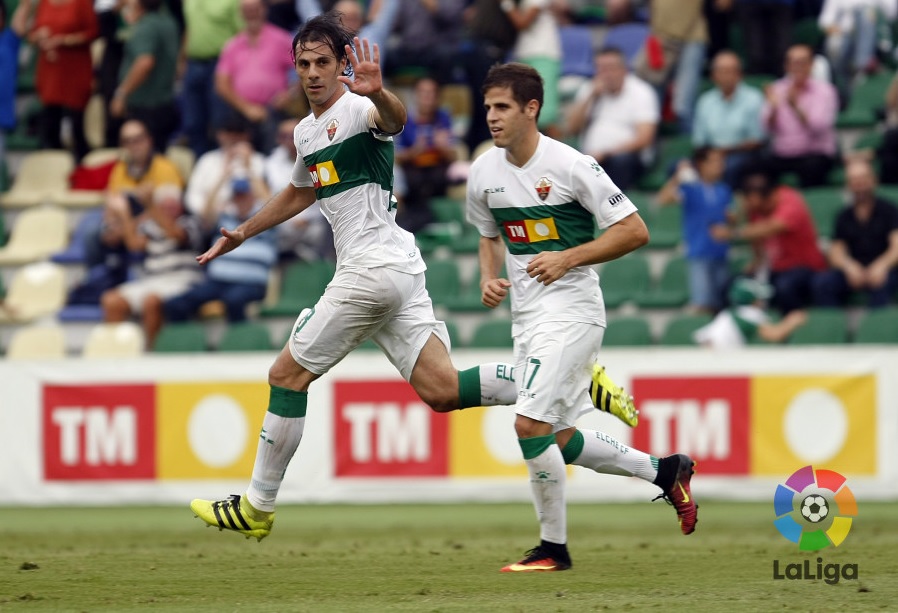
{"points": [[671, 291], [42, 176], [670, 151], [866, 99], [678, 331], [628, 37], [75, 252], [4, 175], [95, 122], [492, 333], [665, 226], [181, 337], [36, 290], [37, 234], [443, 281], [878, 327], [301, 287], [183, 159], [825, 203], [623, 279], [823, 327], [627, 332], [37, 343], [114, 340], [246, 336]]}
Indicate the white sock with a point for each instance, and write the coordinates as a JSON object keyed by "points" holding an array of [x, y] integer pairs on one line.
{"points": [[605, 454], [547, 482], [487, 385], [281, 432]]}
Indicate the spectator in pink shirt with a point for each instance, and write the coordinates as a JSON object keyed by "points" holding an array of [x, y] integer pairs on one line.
{"points": [[800, 115], [253, 73]]}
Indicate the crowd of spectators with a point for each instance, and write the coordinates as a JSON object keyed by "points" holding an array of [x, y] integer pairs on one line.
{"points": [[216, 76]]}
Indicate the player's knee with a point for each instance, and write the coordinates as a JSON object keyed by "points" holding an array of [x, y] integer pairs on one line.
{"points": [[439, 401]]}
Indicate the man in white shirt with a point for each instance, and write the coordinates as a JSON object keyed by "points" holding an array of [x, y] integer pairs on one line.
{"points": [[616, 116]]}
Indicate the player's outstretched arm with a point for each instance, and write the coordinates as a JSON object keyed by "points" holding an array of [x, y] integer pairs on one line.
{"points": [[288, 203], [365, 61]]}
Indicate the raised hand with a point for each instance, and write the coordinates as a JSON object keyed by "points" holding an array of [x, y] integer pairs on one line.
{"points": [[230, 240], [365, 62]]}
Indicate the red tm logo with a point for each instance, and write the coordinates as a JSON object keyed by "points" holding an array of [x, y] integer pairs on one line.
{"points": [[99, 432], [706, 418], [383, 429]]}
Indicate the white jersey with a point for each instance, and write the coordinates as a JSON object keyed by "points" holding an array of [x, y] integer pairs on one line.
{"points": [[350, 164], [552, 203]]}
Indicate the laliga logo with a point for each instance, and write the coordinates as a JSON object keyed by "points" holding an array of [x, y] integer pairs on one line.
{"points": [[814, 509]]}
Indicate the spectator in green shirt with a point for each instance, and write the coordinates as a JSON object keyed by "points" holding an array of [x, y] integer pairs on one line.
{"points": [[210, 23], [146, 88]]}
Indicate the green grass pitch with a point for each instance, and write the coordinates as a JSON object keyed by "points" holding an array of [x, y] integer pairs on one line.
{"points": [[432, 558]]}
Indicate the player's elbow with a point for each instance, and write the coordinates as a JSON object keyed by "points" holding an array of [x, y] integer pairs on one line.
{"points": [[639, 235]]}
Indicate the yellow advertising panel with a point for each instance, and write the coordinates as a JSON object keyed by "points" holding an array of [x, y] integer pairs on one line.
{"points": [[821, 420], [208, 430]]}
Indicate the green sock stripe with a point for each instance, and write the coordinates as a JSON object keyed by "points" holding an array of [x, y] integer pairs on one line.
{"points": [[534, 446], [574, 447], [287, 403], [469, 388], [654, 462]]}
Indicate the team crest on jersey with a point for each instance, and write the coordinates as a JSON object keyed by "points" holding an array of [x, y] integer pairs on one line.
{"points": [[332, 129], [543, 187]]}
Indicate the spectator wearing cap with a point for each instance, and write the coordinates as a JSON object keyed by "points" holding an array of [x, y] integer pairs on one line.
{"points": [[863, 254], [746, 320], [211, 180], [784, 239], [237, 278]]}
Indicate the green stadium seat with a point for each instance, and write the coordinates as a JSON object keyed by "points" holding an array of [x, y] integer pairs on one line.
{"points": [[670, 150], [878, 327], [807, 32], [678, 331], [665, 227], [443, 281], [246, 336], [825, 203], [301, 287], [623, 279], [492, 333], [4, 175], [627, 332], [671, 291], [181, 337], [823, 327], [866, 99]]}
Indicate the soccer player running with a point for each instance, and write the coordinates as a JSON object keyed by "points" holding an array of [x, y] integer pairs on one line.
{"points": [[543, 198], [345, 160]]}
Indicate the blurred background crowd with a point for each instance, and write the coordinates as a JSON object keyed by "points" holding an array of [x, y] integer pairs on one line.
{"points": [[758, 137]]}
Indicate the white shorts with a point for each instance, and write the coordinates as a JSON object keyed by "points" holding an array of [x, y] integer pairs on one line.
{"points": [[553, 369], [390, 307], [165, 285]]}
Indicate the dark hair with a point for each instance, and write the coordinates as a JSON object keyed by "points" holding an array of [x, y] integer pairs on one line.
{"points": [[757, 177], [151, 6], [328, 29], [523, 81], [233, 122], [2, 15], [612, 50], [700, 154]]}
